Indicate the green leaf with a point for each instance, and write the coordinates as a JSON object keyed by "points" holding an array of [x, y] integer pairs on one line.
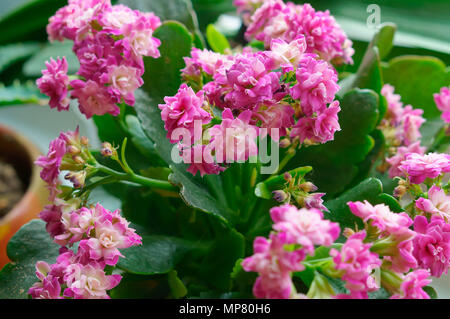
{"points": [[12, 53], [177, 287], [217, 41], [431, 292], [28, 246], [409, 73], [371, 190], [156, 255], [265, 189], [34, 66], [21, 94], [179, 10], [162, 77], [335, 163], [28, 21]]}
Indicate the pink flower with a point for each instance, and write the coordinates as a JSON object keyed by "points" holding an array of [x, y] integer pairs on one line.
{"points": [[93, 98], [442, 100], [206, 61], [357, 262], [432, 244], [250, 82], [287, 55], [274, 265], [304, 227], [438, 203], [395, 106], [320, 129], [314, 200], [201, 160], [48, 288], [89, 282], [420, 167], [234, 140], [412, 120], [400, 156], [51, 163], [247, 7], [123, 81], [380, 216], [54, 83], [411, 287], [316, 84], [182, 111], [275, 116]]}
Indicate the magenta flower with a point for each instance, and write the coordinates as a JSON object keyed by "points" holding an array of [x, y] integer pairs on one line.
{"points": [[400, 156], [314, 200], [201, 160], [54, 83], [357, 262], [305, 227], [395, 106], [287, 55], [316, 84], [204, 60], [48, 287], [246, 8], [275, 116], [412, 285], [420, 167], [182, 111], [432, 244], [442, 100], [234, 140], [437, 203], [52, 161], [412, 120]]}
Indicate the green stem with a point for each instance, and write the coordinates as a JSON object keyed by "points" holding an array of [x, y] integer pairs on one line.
{"points": [[138, 179], [290, 154]]}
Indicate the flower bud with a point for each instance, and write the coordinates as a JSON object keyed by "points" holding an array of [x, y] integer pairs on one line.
{"points": [[280, 196], [399, 191], [84, 141], [77, 178], [287, 177], [284, 143], [78, 159], [107, 150], [308, 187], [71, 149], [348, 232]]}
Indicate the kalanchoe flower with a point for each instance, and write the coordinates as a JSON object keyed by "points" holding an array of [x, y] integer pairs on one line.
{"points": [[88, 281], [54, 83], [314, 200], [275, 116], [305, 227], [396, 160], [204, 61], [48, 287], [246, 8], [437, 203], [356, 263], [181, 111], [442, 100], [316, 84], [395, 106], [274, 265], [201, 160], [287, 55], [52, 161], [234, 140], [420, 167], [123, 81], [412, 285], [432, 244]]}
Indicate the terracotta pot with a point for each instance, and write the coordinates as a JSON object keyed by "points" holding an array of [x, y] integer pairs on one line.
{"points": [[20, 153]]}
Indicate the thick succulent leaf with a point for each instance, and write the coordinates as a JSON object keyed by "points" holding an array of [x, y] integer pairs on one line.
{"points": [[19, 93], [12, 53], [216, 40], [409, 73], [29, 245], [28, 21], [371, 190], [156, 255], [335, 163], [34, 66], [179, 10]]}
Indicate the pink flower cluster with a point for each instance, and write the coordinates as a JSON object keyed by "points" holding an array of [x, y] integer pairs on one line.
{"points": [[419, 167], [275, 19], [436, 203], [401, 127], [110, 43], [301, 229], [442, 100], [100, 233]]}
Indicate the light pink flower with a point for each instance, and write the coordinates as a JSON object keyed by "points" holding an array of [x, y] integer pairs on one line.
{"points": [[204, 60], [287, 55], [275, 116], [93, 98], [201, 160], [395, 106], [400, 156], [52, 161], [442, 100], [316, 84], [412, 120], [234, 140], [246, 8], [432, 244], [412, 285], [88, 282], [437, 203], [123, 81], [357, 262], [304, 227], [54, 83], [182, 111], [314, 200], [419, 167], [48, 288]]}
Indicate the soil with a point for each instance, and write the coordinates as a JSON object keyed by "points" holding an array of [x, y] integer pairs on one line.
{"points": [[11, 188]]}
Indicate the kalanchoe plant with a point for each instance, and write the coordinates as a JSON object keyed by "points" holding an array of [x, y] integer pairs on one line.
{"points": [[206, 212]]}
